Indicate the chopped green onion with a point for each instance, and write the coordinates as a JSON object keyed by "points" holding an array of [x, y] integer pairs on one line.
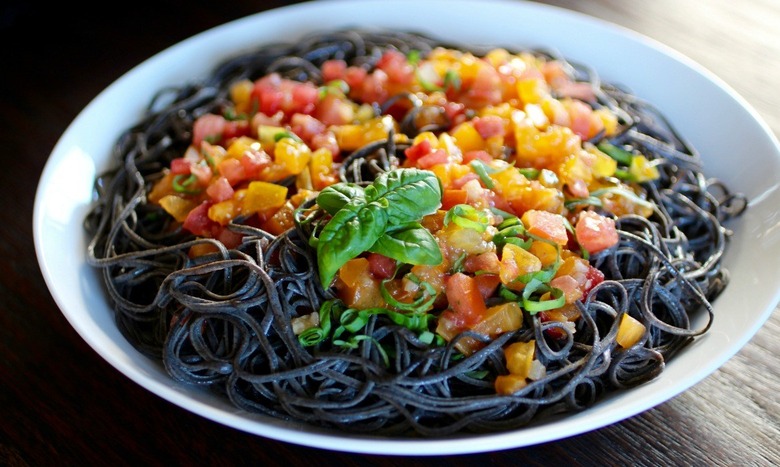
{"points": [[482, 171], [467, 217], [589, 201], [451, 80], [419, 305], [413, 57], [529, 173], [625, 193], [186, 184], [535, 306], [619, 154]]}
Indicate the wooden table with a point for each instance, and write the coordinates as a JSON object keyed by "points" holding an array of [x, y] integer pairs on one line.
{"points": [[60, 403]]}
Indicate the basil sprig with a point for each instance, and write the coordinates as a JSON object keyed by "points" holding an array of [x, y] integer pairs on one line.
{"points": [[382, 218]]}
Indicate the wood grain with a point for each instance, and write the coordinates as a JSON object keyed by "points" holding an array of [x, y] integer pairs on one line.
{"points": [[62, 404]]}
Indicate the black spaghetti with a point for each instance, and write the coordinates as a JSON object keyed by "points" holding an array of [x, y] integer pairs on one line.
{"points": [[381, 233]]}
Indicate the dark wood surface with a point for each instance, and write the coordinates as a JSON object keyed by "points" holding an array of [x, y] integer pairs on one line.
{"points": [[61, 404]]}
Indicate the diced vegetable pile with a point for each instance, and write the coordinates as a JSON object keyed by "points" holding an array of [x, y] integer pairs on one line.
{"points": [[487, 221]]}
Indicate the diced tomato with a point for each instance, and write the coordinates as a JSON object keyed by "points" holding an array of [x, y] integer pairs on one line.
{"points": [[180, 166], [413, 153], [580, 115], [595, 232], [374, 87], [333, 110], [208, 127], [198, 221], [546, 225], [236, 128], [354, 76], [490, 125], [593, 278], [220, 190], [569, 286], [487, 284], [479, 154], [436, 157], [228, 238], [381, 266], [254, 162], [202, 172], [333, 70], [452, 197], [232, 170], [397, 67], [465, 299], [487, 262]]}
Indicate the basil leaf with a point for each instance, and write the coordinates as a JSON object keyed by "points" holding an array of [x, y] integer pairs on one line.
{"points": [[335, 197], [351, 231], [410, 194], [411, 244]]}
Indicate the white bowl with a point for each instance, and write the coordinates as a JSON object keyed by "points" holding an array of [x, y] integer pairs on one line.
{"points": [[717, 121]]}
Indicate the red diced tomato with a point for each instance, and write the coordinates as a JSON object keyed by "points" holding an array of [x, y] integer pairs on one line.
{"points": [[232, 170], [236, 128], [479, 154], [180, 166], [228, 238], [487, 262], [208, 127], [436, 157], [220, 190], [254, 162], [333, 70], [489, 125], [418, 150], [198, 221], [593, 278], [202, 172], [465, 299], [487, 284], [595, 232], [354, 76], [397, 67], [381, 266]]}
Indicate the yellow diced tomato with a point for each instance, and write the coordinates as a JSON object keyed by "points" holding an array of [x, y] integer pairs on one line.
{"points": [[642, 169], [630, 330], [516, 262], [532, 90], [509, 384], [225, 211], [242, 144], [177, 206], [546, 252], [262, 196], [467, 138], [608, 120], [603, 165], [519, 357], [240, 94], [292, 154]]}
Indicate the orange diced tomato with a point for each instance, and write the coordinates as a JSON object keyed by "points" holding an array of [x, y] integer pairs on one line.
{"points": [[465, 299], [547, 225], [357, 287], [595, 232]]}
